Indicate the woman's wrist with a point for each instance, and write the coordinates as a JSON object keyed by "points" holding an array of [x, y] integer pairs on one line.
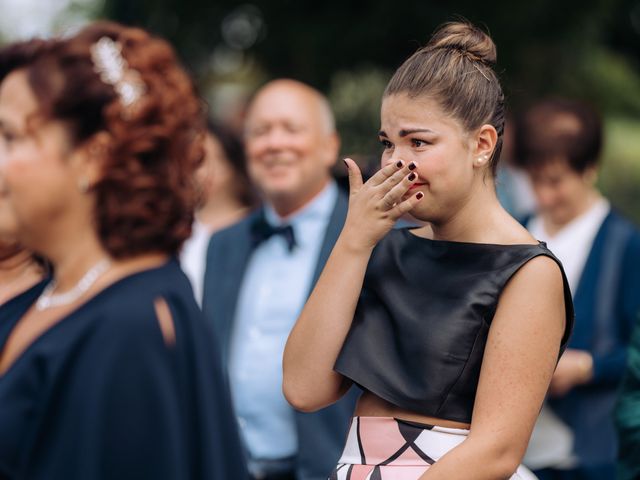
{"points": [[353, 245]]}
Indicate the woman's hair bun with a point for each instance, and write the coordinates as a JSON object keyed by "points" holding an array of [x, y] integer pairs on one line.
{"points": [[456, 69], [466, 38]]}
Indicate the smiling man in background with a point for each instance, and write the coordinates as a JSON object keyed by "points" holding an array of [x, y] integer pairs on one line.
{"points": [[261, 270]]}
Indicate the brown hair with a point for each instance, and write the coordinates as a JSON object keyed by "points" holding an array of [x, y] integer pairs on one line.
{"points": [[145, 198], [558, 128], [456, 69]]}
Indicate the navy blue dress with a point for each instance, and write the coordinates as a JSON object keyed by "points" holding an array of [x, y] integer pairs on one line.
{"points": [[101, 396]]}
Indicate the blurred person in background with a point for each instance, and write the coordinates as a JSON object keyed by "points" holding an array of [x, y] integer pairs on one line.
{"points": [[112, 372], [558, 143], [512, 183], [226, 195], [261, 270]]}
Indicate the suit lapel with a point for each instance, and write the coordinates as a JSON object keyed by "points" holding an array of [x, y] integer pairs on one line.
{"points": [[230, 259], [336, 221], [601, 276], [231, 256]]}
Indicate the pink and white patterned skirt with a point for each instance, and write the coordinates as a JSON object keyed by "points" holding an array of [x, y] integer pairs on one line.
{"points": [[385, 448]]}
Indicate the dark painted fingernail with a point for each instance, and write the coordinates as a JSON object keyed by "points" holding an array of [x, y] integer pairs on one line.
{"points": [[412, 166], [419, 195], [412, 177], [399, 164]]}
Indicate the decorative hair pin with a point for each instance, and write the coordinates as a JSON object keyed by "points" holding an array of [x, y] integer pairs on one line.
{"points": [[468, 55], [480, 70], [114, 70]]}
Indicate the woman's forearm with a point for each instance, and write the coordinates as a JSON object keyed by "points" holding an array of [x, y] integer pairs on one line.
{"points": [[479, 459], [309, 382], [314, 343]]}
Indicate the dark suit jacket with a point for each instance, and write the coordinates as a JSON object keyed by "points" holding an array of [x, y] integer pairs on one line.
{"points": [[607, 304], [321, 435]]}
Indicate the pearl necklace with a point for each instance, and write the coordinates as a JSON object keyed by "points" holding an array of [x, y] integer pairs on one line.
{"points": [[47, 298]]}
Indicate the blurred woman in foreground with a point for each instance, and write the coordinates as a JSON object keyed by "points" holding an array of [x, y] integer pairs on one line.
{"points": [[112, 372]]}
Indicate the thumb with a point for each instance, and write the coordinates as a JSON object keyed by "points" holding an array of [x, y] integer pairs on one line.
{"points": [[355, 177]]}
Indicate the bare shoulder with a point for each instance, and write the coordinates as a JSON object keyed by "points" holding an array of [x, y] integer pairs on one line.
{"points": [[541, 272], [535, 291]]}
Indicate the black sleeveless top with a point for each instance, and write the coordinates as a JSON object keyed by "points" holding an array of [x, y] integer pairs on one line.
{"points": [[422, 320]]}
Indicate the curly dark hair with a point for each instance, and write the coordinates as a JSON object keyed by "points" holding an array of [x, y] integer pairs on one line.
{"points": [[145, 198]]}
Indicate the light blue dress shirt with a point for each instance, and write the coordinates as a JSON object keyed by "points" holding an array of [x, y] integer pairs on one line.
{"points": [[273, 292]]}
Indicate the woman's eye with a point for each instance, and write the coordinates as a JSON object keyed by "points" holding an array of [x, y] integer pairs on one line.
{"points": [[416, 142], [386, 143]]}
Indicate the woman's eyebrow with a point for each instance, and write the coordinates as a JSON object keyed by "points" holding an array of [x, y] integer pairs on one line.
{"points": [[404, 133]]}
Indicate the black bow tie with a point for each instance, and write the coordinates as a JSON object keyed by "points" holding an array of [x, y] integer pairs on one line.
{"points": [[261, 230]]}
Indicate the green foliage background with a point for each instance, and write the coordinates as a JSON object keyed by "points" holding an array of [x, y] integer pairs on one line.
{"points": [[587, 49]]}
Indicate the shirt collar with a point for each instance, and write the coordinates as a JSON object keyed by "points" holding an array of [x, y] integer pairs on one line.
{"points": [[321, 206], [588, 221]]}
